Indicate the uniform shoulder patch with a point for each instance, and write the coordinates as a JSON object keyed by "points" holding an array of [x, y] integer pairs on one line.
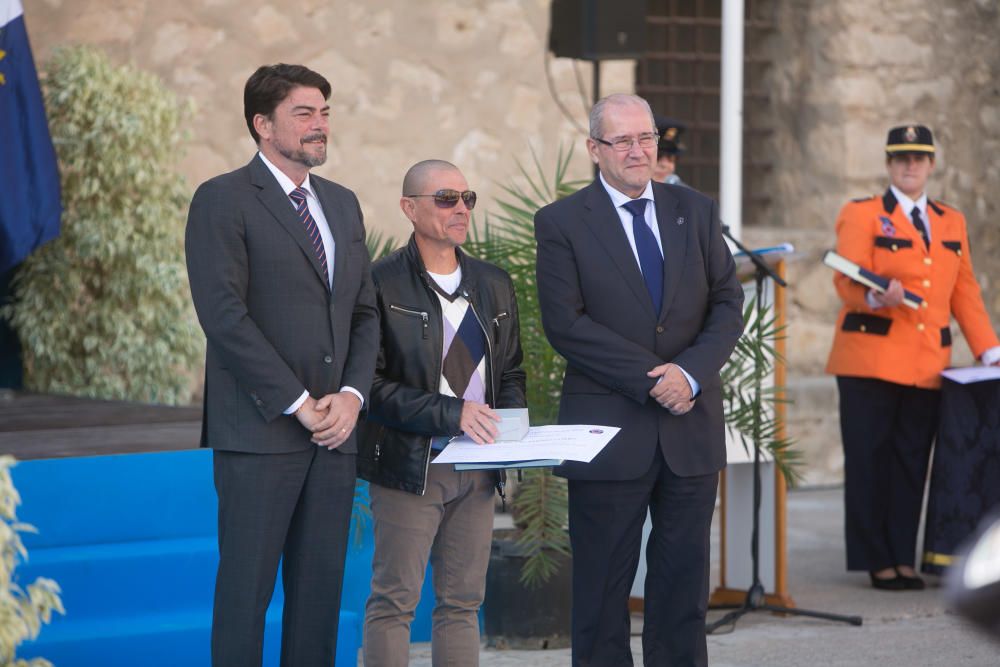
{"points": [[861, 199]]}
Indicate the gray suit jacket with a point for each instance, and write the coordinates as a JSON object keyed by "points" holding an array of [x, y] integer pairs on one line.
{"points": [[273, 325], [597, 313]]}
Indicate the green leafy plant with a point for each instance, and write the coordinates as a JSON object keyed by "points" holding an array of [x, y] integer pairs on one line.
{"points": [[22, 610], [104, 310], [744, 394], [379, 244], [507, 239]]}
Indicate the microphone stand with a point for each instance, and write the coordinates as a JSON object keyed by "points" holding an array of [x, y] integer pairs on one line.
{"points": [[756, 598]]}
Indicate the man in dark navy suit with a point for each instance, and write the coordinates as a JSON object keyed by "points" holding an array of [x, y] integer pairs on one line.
{"points": [[638, 291]]}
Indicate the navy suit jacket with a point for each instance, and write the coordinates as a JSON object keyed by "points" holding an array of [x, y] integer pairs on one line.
{"points": [[597, 313]]}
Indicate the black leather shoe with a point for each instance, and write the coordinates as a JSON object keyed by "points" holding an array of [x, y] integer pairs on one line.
{"points": [[894, 584], [910, 583]]}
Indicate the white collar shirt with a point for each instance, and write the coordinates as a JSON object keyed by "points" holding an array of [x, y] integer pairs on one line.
{"points": [[315, 209], [907, 205], [619, 199]]}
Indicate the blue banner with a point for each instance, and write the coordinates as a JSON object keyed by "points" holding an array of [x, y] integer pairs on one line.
{"points": [[30, 204]]}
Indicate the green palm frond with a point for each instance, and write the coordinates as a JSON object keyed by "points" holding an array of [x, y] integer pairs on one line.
{"points": [[507, 238], [540, 511], [379, 244], [756, 352]]}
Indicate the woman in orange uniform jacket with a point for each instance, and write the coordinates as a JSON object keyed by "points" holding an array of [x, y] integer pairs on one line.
{"points": [[888, 357]]}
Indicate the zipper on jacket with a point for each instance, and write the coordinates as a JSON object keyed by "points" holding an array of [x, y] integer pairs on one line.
{"points": [[489, 344], [422, 314], [496, 321]]}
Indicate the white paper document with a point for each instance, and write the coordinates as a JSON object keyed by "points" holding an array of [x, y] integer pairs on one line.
{"points": [[972, 374], [580, 442]]}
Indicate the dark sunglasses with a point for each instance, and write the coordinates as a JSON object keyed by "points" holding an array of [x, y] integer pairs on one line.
{"points": [[449, 198]]}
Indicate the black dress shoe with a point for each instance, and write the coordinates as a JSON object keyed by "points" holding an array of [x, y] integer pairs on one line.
{"points": [[910, 583], [894, 584]]}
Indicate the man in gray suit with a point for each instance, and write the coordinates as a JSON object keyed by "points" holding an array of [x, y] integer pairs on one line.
{"points": [[279, 274], [638, 291]]}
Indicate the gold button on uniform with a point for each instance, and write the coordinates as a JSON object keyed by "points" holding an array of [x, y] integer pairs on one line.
{"points": [[895, 247], [659, 329], [920, 326], [927, 283], [928, 260], [923, 304], [863, 328]]}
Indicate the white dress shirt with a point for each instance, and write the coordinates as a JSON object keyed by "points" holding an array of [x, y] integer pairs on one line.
{"points": [[619, 199], [316, 210], [907, 204]]}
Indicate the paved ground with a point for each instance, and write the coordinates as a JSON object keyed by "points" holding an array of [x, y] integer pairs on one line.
{"points": [[908, 629]]}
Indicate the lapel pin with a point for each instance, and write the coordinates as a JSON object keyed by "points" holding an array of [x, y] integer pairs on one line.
{"points": [[680, 221]]}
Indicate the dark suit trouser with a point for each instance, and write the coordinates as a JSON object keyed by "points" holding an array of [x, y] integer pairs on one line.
{"points": [[888, 430], [271, 506], [605, 521]]}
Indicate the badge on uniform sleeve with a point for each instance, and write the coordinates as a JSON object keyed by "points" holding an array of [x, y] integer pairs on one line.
{"points": [[888, 228]]}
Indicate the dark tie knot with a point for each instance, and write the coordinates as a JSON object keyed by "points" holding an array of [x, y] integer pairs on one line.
{"points": [[915, 213], [298, 195], [637, 207]]}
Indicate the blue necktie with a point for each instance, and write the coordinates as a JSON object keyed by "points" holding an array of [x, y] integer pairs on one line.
{"points": [[650, 259]]}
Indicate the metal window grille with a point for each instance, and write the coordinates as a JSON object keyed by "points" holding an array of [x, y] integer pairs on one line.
{"points": [[679, 74]]}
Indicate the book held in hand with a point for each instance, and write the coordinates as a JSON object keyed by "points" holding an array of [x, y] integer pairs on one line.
{"points": [[867, 278]]}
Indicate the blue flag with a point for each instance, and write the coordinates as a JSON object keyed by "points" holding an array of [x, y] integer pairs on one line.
{"points": [[30, 205]]}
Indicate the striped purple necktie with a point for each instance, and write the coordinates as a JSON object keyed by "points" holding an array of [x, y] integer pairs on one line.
{"points": [[298, 197]]}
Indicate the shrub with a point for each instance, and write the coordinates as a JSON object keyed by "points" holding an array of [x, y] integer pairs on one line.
{"points": [[103, 310], [22, 611]]}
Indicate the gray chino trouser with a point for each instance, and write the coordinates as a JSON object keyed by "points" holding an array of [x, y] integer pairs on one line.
{"points": [[452, 523]]}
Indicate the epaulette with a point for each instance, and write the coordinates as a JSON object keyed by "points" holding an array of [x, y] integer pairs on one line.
{"points": [[942, 203], [861, 199]]}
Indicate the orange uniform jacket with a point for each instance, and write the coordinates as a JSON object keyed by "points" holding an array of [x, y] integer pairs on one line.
{"points": [[902, 345]]}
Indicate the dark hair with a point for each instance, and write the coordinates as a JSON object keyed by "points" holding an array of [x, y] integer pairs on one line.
{"points": [[270, 84]]}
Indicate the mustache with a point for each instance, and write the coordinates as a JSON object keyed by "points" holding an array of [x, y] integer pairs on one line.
{"points": [[319, 136]]}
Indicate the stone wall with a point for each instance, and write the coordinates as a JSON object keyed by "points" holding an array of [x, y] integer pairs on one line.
{"points": [[459, 80], [842, 74]]}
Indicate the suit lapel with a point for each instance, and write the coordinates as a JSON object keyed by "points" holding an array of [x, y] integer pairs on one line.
{"points": [[673, 220], [335, 217], [604, 222], [280, 206]]}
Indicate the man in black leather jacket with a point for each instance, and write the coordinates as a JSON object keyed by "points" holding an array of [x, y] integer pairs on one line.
{"points": [[450, 352]]}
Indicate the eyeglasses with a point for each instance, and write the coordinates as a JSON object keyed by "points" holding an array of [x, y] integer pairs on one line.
{"points": [[622, 144], [449, 198]]}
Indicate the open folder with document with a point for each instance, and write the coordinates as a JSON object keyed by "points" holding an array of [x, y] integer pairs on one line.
{"points": [[540, 446]]}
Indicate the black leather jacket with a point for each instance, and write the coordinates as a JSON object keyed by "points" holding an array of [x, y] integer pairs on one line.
{"points": [[405, 408]]}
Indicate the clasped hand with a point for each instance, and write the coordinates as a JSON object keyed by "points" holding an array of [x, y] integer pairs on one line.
{"points": [[672, 390], [331, 419]]}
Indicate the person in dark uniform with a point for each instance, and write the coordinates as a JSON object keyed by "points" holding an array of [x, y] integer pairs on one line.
{"points": [[888, 357], [667, 150]]}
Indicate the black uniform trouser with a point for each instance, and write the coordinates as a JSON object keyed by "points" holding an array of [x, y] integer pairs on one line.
{"points": [[887, 430]]}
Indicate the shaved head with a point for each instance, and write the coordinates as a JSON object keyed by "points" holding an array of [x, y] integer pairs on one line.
{"points": [[417, 175]]}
